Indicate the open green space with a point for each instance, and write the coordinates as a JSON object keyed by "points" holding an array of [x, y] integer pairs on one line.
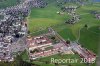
{"points": [[41, 18], [25, 56], [46, 61], [45, 17], [69, 35], [94, 34], [8, 3]]}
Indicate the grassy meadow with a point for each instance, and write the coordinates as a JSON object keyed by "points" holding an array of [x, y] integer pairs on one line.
{"points": [[42, 18], [8, 3]]}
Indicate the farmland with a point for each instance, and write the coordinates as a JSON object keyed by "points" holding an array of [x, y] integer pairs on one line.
{"points": [[8, 3], [41, 18]]}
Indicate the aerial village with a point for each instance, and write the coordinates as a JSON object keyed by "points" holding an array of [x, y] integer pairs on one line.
{"points": [[13, 28]]}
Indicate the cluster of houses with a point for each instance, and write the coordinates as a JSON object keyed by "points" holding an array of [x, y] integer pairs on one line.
{"points": [[23, 8], [36, 43], [36, 3], [71, 11], [43, 46], [5, 45], [39, 41], [13, 27], [97, 14]]}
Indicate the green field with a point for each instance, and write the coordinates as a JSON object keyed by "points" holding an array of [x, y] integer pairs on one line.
{"points": [[94, 34], [8, 3], [41, 18], [46, 61], [45, 17]]}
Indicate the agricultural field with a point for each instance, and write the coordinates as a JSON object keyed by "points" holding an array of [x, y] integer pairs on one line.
{"points": [[46, 61], [45, 17], [42, 18], [94, 33], [8, 3]]}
